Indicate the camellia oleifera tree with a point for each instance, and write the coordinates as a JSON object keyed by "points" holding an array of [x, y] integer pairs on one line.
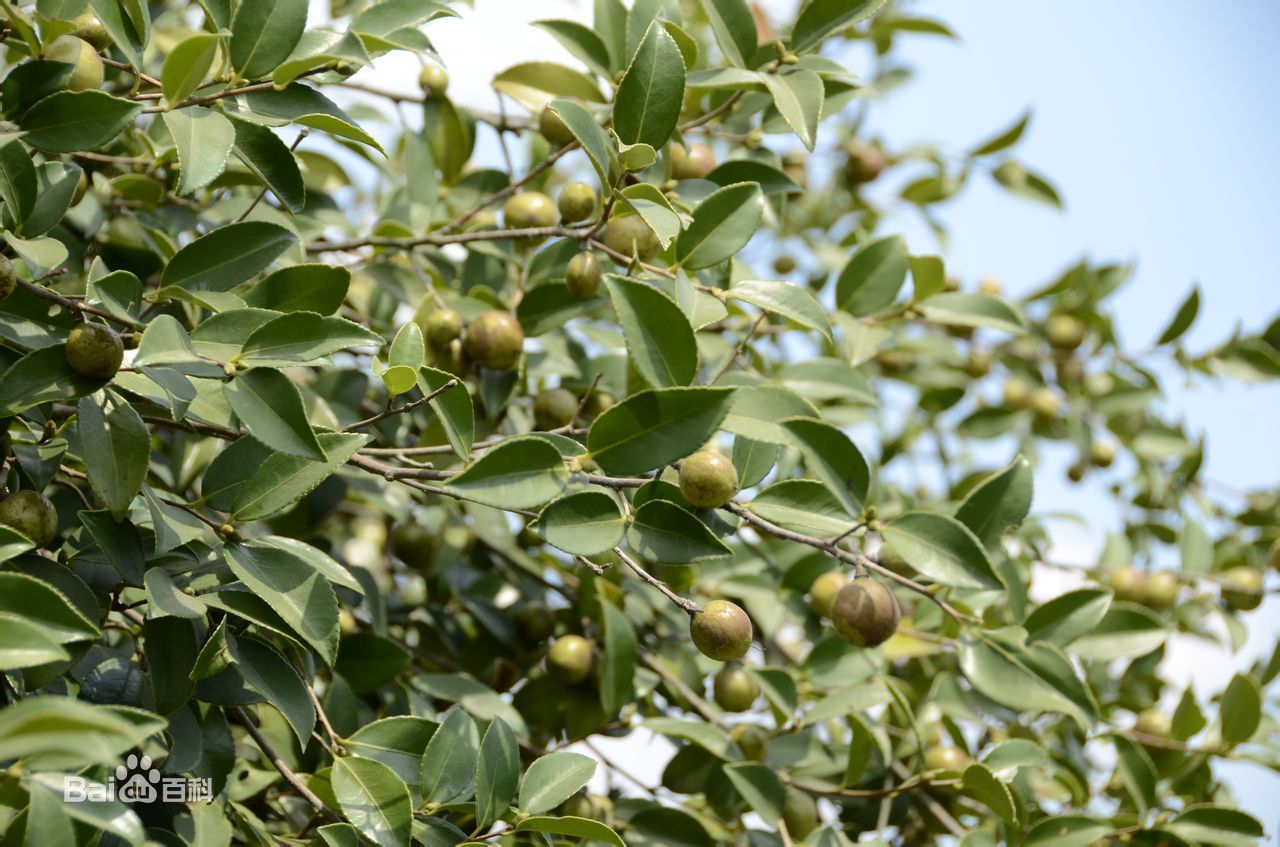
{"points": [[353, 479]]}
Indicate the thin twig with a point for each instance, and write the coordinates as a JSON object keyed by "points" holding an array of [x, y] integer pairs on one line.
{"points": [[407, 407], [285, 771], [685, 603]]}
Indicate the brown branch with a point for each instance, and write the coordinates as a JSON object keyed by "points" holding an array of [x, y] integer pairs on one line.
{"points": [[690, 607], [407, 407], [290, 777], [74, 305]]}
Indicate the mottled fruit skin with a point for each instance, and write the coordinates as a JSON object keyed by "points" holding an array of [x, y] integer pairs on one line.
{"points": [[631, 236], [799, 813], [530, 210], [824, 589], [1044, 404], [752, 741], [694, 163], [87, 75], [945, 758], [1102, 454], [1128, 583], [553, 129], [443, 326], [414, 545], [434, 80], [8, 278], [1242, 589], [495, 340], [89, 28], [708, 479], [1161, 590], [571, 659], [577, 201], [554, 408], [32, 514], [866, 162], [94, 351], [1064, 332], [583, 275], [865, 613], [735, 689], [721, 631]]}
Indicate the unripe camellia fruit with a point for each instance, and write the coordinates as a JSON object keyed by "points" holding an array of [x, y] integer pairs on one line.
{"points": [[799, 813], [721, 631], [434, 80], [865, 613], [1242, 589], [694, 163], [752, 741], [94, 351], [1016, 393], [579, 805], [708, 479], [1161, 590], [535, 622], [495, 340], [1044, 404], [978, 364], [823, 591], [1128, 583], [414, 545], [1153, 722], [1102, 454], [945, 757], [553, 128], [1064, 332], [577, 202], [734, 688], [866, 162], [571, 659], [32, 514], [554, 408], [583, 275], [784, 264], [631, 236], [443, 326], [70, 50], [90, 29], [530, 210], [8, 278]]}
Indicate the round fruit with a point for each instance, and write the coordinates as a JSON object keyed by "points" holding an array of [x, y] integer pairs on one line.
{"points": [[752, 741], [495, 340], [1102, 454], [414, 545], [721, 631], [799, 813], [443, 326], [598, 403], [530, 210], [823, 591], [1161, 590], [1154, 723], [554, 408], [535, 622], [694, 163], [89, 28], [708, 479], [453, 359], [95, 351], [583, 275], [571, 659], [580, 805], [8, 278], [784, 264], [794, 166], [1016, 393], [554, 129], [1128, 583], [896, 361], [866, 162], [945, 758], [1044, 404], [1242, 589], [434, 80], [978, 364], [1064, 332], [631, 236], [577, 202], [735, 689], [32, 514], [990, 285], [70, 50], [1075, 472], [865, 613]]}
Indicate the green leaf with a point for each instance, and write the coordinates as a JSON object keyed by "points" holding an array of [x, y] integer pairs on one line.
{"points": [[25, 644], [296, 591], [187, 65], [398, 742], [1025, 183], [1125, 632], [1183, 319], [734, 28], [1136, 772], [454, 409], [41, 254], [760, 786], [519, 473], [722, 225], [13, 543], [659, 338], [803, 505], [282, 480], [552, 779], [1035, 677], [1066, 831], [227, 256], [271, 160], [759, 412], [204, 139], [961, 308], [42, 376], [584, 828], [585, 523], [57, 182], [654, 428], [786, 299], [1241, 711], [1005, 139], [303, 105], [128, 23], [270, 674], [449, 765], [873, 277], [63, 732], [981, 784], [374, 799], [618, 662], [302, 337], [798, 97], [537, 83], [1216, 825], [663, 532], [1068, 616], [822, 18], [998, 503], [833, 459], [116, 448], [301, 288], [651, 93], [942, 549], [595, 142], [654, 209], [581, 41], [497, 773], [77, 120], [17, 182], [270, 406], [264, 34]]}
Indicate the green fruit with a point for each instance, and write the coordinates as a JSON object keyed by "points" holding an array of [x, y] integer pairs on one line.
{"points": [[414, 545], [580, 805], [90, 29], [1064, 332], [945, 758], [1075, 472], [784, 264], [1127, 582], [443, 326], [978, 364], [865, 613], [735, 689], [577, 202], [554, 409], [1016, 393], [495, 340], [82, 188], [571, 659], [1161, 590], [32, 514], [554, 129], [598, 403], [535, 622], [8, 278], [799, 813], [434, 80], [1273, 555], [583, 275], [866, 162], [694, 163], [1154, 723], [530, 210], [1044, 404], [452, 359], [752, 740], [94, 350], [708, 479], [1242, 589], [70, 50], [1102, 454], [823, 591], [721, 631], [631, 236], [896, 361]]}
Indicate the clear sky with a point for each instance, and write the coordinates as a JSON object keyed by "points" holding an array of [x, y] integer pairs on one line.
{"points": [[1157, 119]]}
